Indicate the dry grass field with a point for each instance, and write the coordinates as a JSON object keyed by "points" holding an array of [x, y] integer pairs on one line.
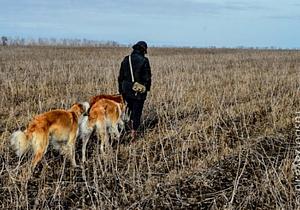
{"points": [[217, 133]]}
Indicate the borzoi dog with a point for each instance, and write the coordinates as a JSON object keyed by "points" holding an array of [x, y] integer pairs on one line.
{"points": [[106, 117], [59, 127]]}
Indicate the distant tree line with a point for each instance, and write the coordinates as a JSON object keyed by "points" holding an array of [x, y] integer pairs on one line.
{"points": [[16, 41]]}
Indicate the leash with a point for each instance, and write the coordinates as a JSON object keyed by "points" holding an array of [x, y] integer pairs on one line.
{"points": [[130, 65], [131, 71]]}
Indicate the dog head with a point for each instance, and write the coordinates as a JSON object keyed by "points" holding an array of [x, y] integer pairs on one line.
{"points": [[122, 103], [80, 108], [123, 109]]}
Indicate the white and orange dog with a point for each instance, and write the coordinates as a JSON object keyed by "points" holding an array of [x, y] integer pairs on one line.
{"points": [[106, 116], [59, 127]]}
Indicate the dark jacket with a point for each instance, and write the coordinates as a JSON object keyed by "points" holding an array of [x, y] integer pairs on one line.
{"points": [[142, 74]]}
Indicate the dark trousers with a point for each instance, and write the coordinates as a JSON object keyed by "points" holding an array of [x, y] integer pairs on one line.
{"points": [[135, 109]]}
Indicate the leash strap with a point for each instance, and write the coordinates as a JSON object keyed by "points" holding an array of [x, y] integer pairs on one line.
{"points": [[130, 65]]}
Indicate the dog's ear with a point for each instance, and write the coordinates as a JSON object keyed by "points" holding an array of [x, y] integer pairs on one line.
{"points": [[72, 105]]}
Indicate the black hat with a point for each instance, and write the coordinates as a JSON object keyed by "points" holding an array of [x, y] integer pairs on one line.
{"points": [[141, 45]]}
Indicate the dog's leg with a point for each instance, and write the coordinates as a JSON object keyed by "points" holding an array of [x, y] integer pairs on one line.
{"points": [[71, 146], [121, 126], [115, 131], [85, 140], [85, 132], [40, 143], [103, 136]]}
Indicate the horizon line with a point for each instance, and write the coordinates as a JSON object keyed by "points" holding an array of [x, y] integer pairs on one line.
{"points": [[85, 42]]}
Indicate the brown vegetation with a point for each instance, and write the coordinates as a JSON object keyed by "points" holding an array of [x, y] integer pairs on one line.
{"points": [[217, 130]]}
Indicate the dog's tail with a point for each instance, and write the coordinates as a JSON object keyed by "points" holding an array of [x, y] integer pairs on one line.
{"points": [[20, 141]]}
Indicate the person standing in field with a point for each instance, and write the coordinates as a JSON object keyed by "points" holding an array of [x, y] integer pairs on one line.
{"points": [[134, 82]]}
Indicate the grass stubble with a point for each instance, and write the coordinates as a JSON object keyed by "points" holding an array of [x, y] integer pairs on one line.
{"points": [[217, 131]]}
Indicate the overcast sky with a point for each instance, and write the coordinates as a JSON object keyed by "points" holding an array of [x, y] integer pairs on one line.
{"points": [[201, 23]]}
